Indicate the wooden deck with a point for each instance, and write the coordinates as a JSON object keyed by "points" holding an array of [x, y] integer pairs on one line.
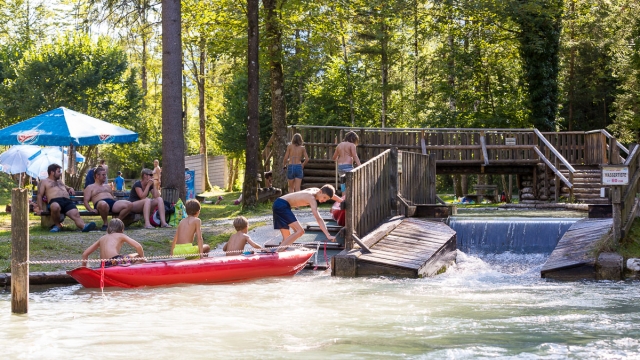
{"points": [[403, 247], [572, 258]]}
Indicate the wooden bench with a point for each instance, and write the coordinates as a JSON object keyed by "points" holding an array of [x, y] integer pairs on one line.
{"points": [[484, 192], [78, 199]]}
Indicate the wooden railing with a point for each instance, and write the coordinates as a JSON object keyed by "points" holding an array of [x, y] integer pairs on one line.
{"points": [[371, 195], [417, 182], [628, 193], [483, 146]]}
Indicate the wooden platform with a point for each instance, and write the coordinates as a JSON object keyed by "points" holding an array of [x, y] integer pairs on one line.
{"points": [[403, 247], [572, 258]]}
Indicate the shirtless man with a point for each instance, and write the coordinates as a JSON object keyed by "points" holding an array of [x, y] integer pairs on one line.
{"points": [[101, 195], [111, 244], [346, 153], [59, 201], [283, 217]]}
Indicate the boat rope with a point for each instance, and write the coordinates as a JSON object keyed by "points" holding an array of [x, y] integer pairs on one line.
{"points": [[167, 257]]}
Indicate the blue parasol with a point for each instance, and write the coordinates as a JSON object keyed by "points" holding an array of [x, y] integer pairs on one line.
{"points": [[64, 127]]}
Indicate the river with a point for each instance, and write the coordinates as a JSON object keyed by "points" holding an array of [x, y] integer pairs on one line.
{"points": [[487, 306]]}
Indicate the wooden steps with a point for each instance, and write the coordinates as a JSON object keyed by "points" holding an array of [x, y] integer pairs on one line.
{"points": [[586, 185]]}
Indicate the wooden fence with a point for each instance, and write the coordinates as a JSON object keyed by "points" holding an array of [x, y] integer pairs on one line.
{"points": [[625, 201], [417, 182], [469, 146], [371, 195]]}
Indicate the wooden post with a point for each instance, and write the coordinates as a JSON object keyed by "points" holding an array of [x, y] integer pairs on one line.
{"points": [[19, 251], [617, 213], [432, 179], [393, 180]]}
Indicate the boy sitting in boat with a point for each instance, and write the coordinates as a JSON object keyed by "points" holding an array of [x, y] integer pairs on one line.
{"points": [[111, 244], [237, 241], [284, 219], [187, 229]]}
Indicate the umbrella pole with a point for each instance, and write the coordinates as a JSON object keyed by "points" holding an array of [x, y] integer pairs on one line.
{"points": [[63, 170]]}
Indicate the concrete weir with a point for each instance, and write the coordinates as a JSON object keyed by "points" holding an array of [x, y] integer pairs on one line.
{"points": [[403, 247]]}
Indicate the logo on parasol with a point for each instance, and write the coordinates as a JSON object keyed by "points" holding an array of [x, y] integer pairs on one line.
{"points": [[187, 176], [106, 138], [28, 137]]}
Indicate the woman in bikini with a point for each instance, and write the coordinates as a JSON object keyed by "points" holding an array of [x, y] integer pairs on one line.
{"points": [[293, 156]]}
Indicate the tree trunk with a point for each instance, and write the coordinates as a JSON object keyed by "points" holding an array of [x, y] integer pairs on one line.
{"points": [[457, 185], [572, 60], [202, 112], [278, 103], [347, 69], [230, 178], [172, 134], [250, 185], [385, 72]]}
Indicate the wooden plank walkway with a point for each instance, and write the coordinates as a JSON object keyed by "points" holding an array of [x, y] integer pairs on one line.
{"points": [[414, 248], [572, 256]]}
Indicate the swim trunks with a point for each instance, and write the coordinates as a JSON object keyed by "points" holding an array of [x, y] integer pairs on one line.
{"points": [[118, 260], [294, 171], [187, 249], [66, 204], [344, 168], [282, 214], [109, 202]]}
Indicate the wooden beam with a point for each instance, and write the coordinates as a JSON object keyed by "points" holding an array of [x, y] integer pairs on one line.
{"points": [[19, 251]]}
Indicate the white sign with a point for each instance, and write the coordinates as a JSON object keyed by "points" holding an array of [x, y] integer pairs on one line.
{"points": [[509, 141], [615, 175]]}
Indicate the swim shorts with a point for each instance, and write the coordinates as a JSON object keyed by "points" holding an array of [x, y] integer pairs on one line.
{"points": [[282, 214], [118, 260], [294, 171], [187, 249], [344, 168], [66, 204], [109, 202]]}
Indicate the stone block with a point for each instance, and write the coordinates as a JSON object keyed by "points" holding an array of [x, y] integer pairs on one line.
{"points": [[609, 266]]}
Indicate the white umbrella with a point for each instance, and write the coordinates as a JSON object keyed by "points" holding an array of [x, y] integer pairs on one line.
{"points": [[39, 162], [16, 159]]}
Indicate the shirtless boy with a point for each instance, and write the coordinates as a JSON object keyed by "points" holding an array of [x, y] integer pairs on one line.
{"points": [[111, 244], [101, 195], [237, 241], [284, 219], [188, 227], [346, 153], [59, 201], [294, 155]]}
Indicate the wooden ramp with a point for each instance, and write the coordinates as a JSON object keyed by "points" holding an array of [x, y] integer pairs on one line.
{"points": [[403, 247], [572, 259]]}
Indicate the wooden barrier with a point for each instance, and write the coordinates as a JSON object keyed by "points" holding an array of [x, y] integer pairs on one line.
{"points": [[624, 203], [417, 183], [371, 195], [19, 251]]}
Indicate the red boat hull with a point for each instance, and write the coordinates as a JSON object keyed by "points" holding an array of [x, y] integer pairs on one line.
{"points": [[207, 270]]}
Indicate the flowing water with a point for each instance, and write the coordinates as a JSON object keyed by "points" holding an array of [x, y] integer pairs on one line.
{"points": [[493, 306]]}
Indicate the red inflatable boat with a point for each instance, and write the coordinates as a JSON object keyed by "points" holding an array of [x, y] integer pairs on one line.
{"points": [[207, 270]]}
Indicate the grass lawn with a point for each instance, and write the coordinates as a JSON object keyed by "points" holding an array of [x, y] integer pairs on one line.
{"points": [[630, 246], [70, 243]]}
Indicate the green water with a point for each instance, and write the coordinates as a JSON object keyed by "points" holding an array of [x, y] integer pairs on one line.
{"points": [[496, 306]]}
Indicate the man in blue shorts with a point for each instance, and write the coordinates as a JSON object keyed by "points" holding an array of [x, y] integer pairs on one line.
{"points": [[283, 217], [59, 201], [101, 195]]}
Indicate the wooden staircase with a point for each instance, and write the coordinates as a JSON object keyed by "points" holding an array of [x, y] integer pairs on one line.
{"points": [[586, 185], [318, 173]]}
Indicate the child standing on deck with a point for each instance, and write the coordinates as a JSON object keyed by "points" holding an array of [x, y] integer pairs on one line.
{"points": [[187, 229], [237, 241], [111, 244]]}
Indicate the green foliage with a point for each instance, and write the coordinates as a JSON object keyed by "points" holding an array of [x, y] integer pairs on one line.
{"points": [[539, 24]]}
